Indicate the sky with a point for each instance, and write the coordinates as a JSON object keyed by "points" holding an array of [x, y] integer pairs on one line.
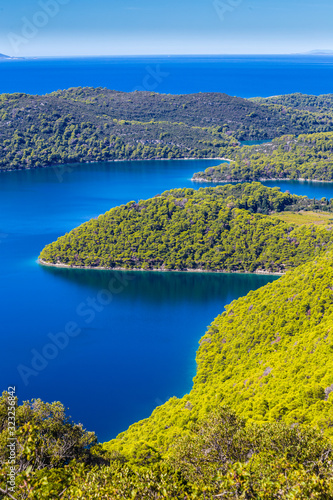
{"points": [[31, 28]]}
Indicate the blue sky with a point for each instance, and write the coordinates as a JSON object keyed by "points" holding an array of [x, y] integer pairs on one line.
{"points": [[130, 27]]}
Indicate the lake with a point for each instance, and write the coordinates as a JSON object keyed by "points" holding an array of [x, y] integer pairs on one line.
{"points": [[132, 354]]}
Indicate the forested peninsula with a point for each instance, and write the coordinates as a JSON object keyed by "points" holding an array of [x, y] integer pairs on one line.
{"points": [[212, 229], [98, 124]]}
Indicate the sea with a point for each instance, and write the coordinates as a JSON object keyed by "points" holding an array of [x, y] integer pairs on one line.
{"points": [[243, 76]]}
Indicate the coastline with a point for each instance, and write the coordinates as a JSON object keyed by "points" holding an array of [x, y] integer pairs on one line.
{"points": [[91, 268], [193, 179], [261, 179], [59, 165]]}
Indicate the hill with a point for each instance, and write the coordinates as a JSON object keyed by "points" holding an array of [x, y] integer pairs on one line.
{"points": [[311, 103], [210, 229], [87, 124], [242, 118]]}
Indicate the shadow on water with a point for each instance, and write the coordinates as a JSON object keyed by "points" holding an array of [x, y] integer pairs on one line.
{"points": [[170, 287]]}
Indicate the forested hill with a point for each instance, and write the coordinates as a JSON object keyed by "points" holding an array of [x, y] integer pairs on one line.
{"points": [[242, 118], [87, 124], [212, 229], [268, 356], [308, 156], [313, 103]]}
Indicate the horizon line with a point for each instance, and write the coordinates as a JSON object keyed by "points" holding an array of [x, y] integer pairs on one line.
{"points": [[310, 53]]}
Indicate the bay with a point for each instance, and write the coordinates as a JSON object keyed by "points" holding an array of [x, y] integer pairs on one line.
{"points": [[137, 351]]}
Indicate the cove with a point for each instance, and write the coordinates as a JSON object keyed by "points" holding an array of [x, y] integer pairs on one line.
{"points": [[133, 353]]}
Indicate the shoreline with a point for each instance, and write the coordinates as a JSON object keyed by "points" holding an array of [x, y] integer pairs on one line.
{"points": [[59, 165], [193, 179], [91, 268], [261, 179]]}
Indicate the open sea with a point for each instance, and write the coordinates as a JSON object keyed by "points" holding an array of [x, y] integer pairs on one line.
{"points": [[135, 353], [243, 76]]}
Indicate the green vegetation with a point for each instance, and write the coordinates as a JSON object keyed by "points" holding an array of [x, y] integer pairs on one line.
{"points": [[46, 436], [86, 124], [313, 103], [306, 218], [222, 456], [210, 229], [258, 421], [304, 157]]}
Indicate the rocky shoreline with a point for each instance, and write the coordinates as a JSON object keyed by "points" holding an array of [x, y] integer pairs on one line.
{"points": [[66, 266]]}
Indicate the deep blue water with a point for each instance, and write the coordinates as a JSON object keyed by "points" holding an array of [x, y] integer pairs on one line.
{"points": [[244, 76], [131, 354]]}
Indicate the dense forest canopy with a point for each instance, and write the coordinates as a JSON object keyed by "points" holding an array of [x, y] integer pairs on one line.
{"points": [[313, 103], [221, 455], [87, 124], [212, 229], [308, 156]]}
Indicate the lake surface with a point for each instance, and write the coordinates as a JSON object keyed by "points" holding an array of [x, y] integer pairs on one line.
{"points": [[243, 76], [131, 354]]}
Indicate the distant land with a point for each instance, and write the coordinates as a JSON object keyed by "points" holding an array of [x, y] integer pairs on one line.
{"points": [[4, 56], [99, 124], [317, 52], [320, 52]]}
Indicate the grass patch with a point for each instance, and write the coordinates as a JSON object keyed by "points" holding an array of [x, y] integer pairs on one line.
{"points": [[305, 218]]}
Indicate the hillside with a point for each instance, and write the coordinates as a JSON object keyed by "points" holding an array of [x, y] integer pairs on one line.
{"points": [[210, 229], [268, 356], [312, 103], [220, 457], [242, 118], [87, 124], [308, 156]]}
